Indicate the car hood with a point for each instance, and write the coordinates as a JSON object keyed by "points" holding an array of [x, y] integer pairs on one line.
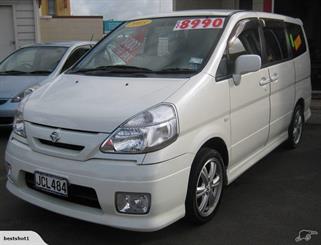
{"points": [[96, 104], [11, 86]]}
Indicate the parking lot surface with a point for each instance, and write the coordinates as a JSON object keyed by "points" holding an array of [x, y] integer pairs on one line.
{"points": [[269, 204]]}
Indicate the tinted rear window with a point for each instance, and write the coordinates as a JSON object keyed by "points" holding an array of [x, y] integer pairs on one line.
{"points": [[296, 38]]}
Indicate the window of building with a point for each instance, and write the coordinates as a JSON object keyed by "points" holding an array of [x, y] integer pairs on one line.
{"points": [[296, 38], [51, 7]]}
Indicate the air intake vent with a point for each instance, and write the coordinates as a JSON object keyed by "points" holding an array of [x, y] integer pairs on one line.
{"points": [[62, 145]]}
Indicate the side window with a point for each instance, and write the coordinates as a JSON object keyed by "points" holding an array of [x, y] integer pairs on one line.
{"points": [[275, 41], [74, 57], [296, 38], [245, 39]]}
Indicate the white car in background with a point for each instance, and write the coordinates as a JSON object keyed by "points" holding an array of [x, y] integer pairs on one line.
{"points": [[29, 67], [192, 101]]}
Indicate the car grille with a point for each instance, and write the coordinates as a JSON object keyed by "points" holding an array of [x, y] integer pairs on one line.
{"points": [[3, 101], [6, 120], [70, 144], [62, 145], [76, 194]]}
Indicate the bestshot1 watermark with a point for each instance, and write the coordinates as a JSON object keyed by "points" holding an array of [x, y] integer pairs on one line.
{"points": [[15, 238], [21, 238]]}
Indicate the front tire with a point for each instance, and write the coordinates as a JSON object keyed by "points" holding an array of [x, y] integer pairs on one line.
{"points": [[296, 127], [205, 186]]}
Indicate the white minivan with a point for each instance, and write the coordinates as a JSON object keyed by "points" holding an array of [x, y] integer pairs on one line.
{"points": [[151, 124]]}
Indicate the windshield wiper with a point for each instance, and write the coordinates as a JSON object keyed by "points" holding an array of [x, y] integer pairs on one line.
{"points": [[40, 72], [176, 70], [12, 72], [113, 69]]}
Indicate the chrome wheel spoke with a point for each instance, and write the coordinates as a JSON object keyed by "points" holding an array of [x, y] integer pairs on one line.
{"points": [[204, 175], [295, 131], [211, 198], [297, 127], [212, 172], [200, 191], [216, 181], [204, 203]]}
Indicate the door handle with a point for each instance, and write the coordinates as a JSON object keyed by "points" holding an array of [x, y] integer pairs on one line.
{"points": [[264, 81], [275, 77]]}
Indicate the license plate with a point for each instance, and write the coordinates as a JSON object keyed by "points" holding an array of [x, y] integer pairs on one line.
{"points": [[51, 183]]}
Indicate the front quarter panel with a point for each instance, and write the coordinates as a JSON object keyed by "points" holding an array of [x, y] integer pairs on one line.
{"points": [[203, 111]]}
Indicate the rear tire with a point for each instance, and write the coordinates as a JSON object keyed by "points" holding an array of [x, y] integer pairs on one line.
{"points": [[296, 127], [205, 187]]}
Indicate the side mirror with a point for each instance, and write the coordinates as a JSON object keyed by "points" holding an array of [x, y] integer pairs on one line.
{"points": [[245, 64]]}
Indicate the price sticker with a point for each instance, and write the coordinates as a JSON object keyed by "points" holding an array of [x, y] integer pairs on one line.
{"points": [[199, 23]]}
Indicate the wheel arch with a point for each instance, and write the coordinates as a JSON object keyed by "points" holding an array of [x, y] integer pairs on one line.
{"points": [[300, 102], [218, 144]]}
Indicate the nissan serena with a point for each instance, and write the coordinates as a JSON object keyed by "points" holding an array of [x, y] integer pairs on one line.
{"points": [[153, 122]]}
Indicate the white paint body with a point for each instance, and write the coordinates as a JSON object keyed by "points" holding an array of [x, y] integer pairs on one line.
{"points": [[252, 120]]}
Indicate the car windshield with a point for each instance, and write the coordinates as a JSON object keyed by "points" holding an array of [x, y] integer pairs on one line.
{"points": [[37, 60], [178, 46]]}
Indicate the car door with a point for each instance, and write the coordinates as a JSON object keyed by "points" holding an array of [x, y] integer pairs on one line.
{"points": [[250, 100], [282, 76]]}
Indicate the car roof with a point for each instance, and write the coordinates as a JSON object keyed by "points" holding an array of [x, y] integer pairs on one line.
{"points": [[67, 44], [219, 12], [205, 12]]}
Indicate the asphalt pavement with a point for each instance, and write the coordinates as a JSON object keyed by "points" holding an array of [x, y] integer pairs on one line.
{"points": [[269, 204]]}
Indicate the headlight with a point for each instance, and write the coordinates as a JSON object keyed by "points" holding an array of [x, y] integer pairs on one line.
{"points": [[148, 131], [24, 94], [18, 123], [133, 203]]}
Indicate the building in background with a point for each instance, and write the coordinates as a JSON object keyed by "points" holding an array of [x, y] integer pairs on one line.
{"points": [[24, 22], [54, 7], [68, 28], [257, 5], [18, 25], [110, 25], [57, 23]]}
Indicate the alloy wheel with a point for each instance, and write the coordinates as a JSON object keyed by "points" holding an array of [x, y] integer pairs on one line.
{"points": [[209, 187]]}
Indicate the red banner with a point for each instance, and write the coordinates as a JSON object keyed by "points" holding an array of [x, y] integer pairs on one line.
{"points": [[267, 5]]}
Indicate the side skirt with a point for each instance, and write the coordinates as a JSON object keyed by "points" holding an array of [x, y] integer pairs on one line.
{"points": [[240, 168]]}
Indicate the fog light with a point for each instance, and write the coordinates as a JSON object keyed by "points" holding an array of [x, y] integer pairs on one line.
{"points": [[133, 203], [8, 171]]}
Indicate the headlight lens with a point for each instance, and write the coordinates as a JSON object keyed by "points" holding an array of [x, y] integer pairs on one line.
{"points": [[148, 131], [24, 94], [18, 123]]}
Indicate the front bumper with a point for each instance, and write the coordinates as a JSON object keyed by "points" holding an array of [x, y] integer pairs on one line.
{"points": [[166, 182]]}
